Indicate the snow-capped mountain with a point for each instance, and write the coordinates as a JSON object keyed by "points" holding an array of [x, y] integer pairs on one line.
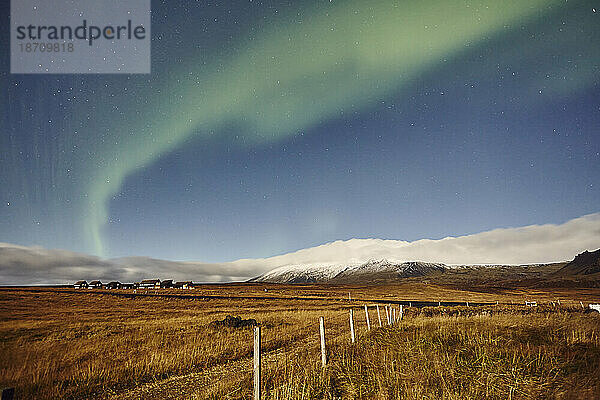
{"points": [[369, 272]]}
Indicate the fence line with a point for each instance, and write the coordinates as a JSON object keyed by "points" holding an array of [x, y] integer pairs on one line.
{"points": [[392, 319]]}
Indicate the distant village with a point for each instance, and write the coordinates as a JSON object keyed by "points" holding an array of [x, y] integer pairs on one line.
{"points": [[145, 284]]}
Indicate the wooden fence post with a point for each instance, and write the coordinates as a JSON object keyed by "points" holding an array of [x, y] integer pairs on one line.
{"points": [[394, 319], [367, 315], [8, 394], [257, 363], [378, 315], [401, 312], [582, 305], [467, 304], [352, 337], [323, 352]]}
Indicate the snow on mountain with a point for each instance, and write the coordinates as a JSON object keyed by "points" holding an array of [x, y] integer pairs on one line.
{"points": [[371, 271]]}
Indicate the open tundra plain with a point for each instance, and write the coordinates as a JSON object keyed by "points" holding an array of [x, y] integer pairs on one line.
{"points": [[162, 344]]}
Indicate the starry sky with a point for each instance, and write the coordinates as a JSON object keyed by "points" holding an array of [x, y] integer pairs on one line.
{"points": [[267, 127]]}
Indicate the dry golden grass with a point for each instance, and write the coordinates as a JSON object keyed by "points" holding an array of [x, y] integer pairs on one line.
{"points": [[499, 357], [76, 345]]}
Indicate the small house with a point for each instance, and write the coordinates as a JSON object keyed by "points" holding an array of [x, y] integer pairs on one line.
{"points": [[114, 285], [95, 285], [166, 284], [184, 285], [127, 285], [150, 284], [80, 285]]}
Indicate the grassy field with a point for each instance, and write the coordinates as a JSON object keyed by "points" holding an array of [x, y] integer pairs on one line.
{"points": [[87, 344]]}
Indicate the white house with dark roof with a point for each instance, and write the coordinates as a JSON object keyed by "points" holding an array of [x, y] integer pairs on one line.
{"points": [[95, 285], [80, 285], [149, 284]]}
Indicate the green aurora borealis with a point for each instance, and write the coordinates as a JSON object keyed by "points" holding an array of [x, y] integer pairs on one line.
{"points": [[309, 65]]}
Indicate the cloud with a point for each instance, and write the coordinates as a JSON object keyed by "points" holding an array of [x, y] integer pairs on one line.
{"points": [[523, 245]]}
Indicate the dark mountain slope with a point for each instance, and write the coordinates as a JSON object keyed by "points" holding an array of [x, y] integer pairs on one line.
{"points": [[586, 263]]}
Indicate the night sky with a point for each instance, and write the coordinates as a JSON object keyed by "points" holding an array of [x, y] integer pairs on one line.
{"points": [[267, 127]]}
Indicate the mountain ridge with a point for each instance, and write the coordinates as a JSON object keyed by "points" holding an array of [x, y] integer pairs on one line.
{"points": [[369, 272], [586, 263]]}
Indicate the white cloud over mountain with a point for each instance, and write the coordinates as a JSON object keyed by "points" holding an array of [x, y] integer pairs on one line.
{"points": [[523, 245]]}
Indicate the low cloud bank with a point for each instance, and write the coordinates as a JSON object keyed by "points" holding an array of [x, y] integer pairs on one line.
{"points": [[21, 265]]}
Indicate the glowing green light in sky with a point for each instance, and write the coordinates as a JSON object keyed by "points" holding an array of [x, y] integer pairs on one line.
{"points": [[348, 56]]}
